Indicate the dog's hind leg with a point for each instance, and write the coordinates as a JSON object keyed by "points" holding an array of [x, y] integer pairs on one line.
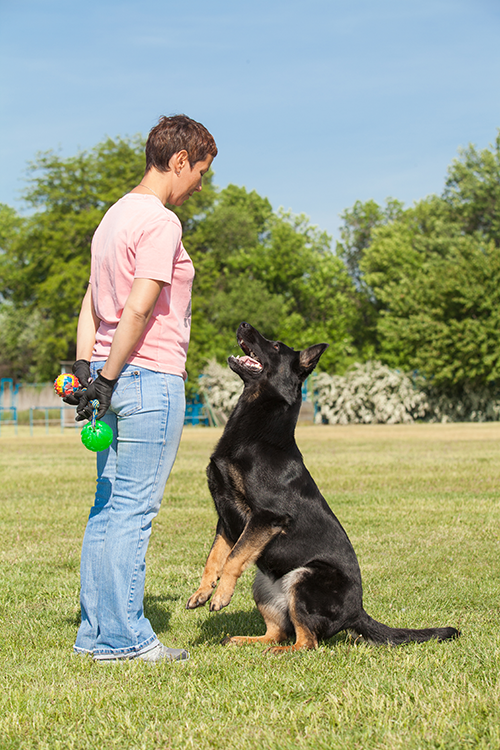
{"points": [[322, 600], [273, 634], [217, 557], [298, 615], [272, 605], [305, 638]]}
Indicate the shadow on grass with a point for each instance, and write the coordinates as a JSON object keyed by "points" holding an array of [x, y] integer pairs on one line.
{"points": [[215, 627], [158, 614], [218, 625], [74, 620]]}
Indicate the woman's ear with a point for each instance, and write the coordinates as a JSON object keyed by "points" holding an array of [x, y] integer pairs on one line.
{"points": [[178, 161]]}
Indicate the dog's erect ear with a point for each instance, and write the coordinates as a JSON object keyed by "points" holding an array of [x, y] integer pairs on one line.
{"points": [[309, 358]]}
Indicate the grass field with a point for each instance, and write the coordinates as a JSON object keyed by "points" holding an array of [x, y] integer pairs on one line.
{"points": [[421, 505]]}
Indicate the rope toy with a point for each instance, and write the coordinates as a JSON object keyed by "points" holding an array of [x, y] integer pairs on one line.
{"points": [[96, 435]]}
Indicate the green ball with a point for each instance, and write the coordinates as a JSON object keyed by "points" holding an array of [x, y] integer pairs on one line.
{"points": [[97, 438]]}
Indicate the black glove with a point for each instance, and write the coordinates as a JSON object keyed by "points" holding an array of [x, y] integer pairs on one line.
{"points": [[81, 369], [101, 389]]}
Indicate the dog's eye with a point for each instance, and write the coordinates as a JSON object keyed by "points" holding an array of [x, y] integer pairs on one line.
{"points": [[276, 346]]}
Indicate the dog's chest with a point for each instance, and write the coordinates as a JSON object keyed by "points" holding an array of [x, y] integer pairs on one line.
{"points": [[227, 485]]}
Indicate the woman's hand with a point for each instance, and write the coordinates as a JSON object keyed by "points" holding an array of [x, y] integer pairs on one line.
{"points": [[81, 370], [102, 390]]}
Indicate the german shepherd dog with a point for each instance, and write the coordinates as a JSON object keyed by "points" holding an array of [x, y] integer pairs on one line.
{"points": [[271, 513]]}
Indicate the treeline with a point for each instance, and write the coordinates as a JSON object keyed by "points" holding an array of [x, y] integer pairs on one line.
{"points": [[416, 288]]}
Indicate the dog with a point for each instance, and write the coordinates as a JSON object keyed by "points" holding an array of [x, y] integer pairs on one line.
{"points": [[271, 513]]}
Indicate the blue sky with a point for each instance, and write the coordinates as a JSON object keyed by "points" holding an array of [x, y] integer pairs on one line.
{"points": [[314, 104]]}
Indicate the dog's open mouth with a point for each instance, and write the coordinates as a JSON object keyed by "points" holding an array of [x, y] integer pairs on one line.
{"points": [[249, 359]]}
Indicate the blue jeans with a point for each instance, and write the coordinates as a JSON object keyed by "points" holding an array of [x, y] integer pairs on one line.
{"points": [[147, 416]]}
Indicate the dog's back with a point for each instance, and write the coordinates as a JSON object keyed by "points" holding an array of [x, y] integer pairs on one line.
{"points": [[272, 513]]}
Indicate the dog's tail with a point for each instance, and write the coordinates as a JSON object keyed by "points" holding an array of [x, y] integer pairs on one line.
{"points": [[377, 633]]}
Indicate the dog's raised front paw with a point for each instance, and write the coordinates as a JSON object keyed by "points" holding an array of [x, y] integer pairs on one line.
{"points": [[199, 598], [220, 600]]}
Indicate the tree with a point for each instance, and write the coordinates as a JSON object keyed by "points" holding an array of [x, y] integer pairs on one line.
{"points": [[439, 296], [429, 275], [473, 190], [359, 224], [274, 271], [356, 232], [295, 262]]}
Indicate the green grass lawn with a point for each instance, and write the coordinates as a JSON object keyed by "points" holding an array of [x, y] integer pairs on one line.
{"points": [[421, 506]]}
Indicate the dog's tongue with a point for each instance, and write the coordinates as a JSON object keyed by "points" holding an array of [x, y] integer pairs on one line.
{"points": [[249, 362]]}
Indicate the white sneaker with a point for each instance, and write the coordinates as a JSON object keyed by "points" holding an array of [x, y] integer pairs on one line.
{"points": [[159, 652], [162, 653]]}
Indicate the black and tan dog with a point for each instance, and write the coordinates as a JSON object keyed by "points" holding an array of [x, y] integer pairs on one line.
{"points": [[271, 513]]}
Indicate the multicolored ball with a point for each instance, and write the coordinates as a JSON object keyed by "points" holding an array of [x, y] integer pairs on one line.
{"points": [[66, 384], [97, 437]]}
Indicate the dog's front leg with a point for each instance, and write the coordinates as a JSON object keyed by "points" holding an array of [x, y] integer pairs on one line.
{"points": [[213, 567], [245, 552]]}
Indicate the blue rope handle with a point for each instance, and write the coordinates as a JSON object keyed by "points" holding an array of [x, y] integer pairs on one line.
{"points": [[95, 405]]}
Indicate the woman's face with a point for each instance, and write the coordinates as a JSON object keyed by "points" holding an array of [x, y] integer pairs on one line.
{"points": [[189, 181]]}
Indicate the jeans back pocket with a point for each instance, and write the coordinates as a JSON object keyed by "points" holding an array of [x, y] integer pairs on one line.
{"points": [[127, 395]]}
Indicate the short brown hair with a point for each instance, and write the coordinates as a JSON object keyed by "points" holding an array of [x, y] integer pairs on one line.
{"points": [[174, 134]]}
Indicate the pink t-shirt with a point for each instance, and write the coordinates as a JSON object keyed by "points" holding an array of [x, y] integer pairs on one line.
{"points": [[138, 238]]}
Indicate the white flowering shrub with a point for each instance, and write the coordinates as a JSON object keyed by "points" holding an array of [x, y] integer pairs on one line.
{"points": [[480, 405], [373, 393], [368, 393], [220, 387]]}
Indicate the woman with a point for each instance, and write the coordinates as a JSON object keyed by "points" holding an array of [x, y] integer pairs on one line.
{"points": [[132, 340]]}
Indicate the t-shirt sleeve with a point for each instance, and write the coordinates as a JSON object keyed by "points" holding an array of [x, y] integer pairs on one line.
{"points": [[156, 250]]}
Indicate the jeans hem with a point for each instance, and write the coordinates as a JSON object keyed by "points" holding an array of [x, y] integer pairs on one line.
{"points": [[126, 653]]}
